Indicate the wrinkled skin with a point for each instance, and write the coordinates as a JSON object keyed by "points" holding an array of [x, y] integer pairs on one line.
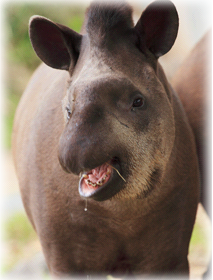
{"points": [[119, 116]]}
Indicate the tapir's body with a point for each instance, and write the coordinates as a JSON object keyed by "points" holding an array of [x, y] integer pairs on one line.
{"points": [[123, 124], [193, 83]]}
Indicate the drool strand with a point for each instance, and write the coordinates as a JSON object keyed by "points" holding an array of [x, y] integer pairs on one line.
{"points": [[85, 209]]}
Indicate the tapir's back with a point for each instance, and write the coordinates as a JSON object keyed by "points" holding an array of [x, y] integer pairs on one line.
{"points": [[192, 83]]}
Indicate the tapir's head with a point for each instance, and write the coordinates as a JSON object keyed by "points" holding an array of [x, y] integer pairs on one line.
{"points": [[119, 125]]}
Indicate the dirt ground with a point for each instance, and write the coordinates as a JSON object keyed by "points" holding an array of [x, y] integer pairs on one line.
{"points": [[199, 255]]}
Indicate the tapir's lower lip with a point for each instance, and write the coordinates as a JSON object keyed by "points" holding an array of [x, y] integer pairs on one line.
{"points": [[102, 182]]}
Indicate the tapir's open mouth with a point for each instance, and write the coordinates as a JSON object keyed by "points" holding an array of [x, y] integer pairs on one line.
{"points": [[101, 182]]}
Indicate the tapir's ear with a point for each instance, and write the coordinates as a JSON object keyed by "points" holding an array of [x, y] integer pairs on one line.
{"points": [[56, 45], [157, 27]]}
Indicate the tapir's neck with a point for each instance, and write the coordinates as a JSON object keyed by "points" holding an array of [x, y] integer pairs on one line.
{"points": [[162, 77]]}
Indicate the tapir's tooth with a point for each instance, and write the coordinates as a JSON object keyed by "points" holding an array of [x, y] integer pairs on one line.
{"points": [[100, 183], [90, 183], [85, 176]]}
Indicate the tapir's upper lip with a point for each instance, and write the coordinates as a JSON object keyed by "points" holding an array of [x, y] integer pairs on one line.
{"points": [[102, 182]]}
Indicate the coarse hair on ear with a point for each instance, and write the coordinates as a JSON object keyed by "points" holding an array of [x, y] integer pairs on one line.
{"points": [[56, 45], [157, 27]]}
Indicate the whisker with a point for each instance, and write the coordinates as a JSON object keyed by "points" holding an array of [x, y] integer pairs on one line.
{"points": [[117, 172]]}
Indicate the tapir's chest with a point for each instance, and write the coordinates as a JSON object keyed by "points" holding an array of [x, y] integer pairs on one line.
{"points": [[101, 243], [95, 241]]}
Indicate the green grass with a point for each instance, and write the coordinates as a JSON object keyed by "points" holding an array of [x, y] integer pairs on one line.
{"points": [[19, 237]]}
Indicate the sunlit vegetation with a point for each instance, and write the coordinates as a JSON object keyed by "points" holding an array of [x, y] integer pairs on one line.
{"points": [[20, 58]]}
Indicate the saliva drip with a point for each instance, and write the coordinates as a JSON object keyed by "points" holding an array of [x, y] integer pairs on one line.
{"points": [[85, 209]]}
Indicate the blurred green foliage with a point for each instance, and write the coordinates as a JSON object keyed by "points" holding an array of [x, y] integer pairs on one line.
{"points": [[21, 59], [19, 235], [200, 238], [18, 228]]}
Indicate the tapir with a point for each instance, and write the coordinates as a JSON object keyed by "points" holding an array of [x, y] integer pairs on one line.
{"points": [[105, 156], [193, 83]]}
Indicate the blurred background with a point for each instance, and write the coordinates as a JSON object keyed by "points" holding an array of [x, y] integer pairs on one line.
{"points": [[21, 256]]}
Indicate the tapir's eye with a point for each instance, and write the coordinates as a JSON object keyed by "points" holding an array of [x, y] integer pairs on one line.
{"points": [[138, 102], [68, 112]]}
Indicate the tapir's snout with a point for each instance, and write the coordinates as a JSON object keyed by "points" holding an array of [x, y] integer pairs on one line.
{"points": [[89, 138], [81, 144], [81, 149], [90, 142], [88, 151]]}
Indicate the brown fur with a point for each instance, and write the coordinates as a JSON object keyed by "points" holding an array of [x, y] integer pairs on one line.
{"points": [[193, 82], [79, 119]]}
